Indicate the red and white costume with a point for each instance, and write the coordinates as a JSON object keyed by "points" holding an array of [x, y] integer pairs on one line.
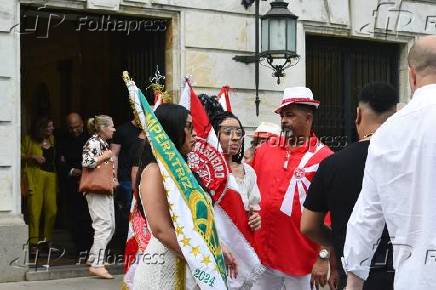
{"points": [[279, 242], [231, 218], [283, 176]]}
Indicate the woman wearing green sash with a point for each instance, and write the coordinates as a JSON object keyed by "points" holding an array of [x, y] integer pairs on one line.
{"points": [[157, 266]]}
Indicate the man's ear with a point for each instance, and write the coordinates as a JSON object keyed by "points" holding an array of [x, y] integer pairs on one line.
{"points": [[412, 79], [358, 116]]}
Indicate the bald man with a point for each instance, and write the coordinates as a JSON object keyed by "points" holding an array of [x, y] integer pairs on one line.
{"points": [[399, 186], [74, 124], [71, 147]]}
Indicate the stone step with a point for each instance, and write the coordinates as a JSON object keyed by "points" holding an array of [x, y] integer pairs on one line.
{"points": [[64, 272]]}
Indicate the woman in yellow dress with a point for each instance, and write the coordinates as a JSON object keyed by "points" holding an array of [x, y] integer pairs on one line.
{"points": [[38, 164]]}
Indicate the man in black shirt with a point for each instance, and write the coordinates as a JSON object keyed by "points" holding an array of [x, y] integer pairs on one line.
{"points": [[123, 143], [336, 186], [71, 147]]}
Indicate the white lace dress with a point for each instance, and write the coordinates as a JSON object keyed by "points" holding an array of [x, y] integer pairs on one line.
{"points": [[156, 266], [156, 269]]}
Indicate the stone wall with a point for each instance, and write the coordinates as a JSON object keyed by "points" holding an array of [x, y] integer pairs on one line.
{"points": [[13, 232], [209, 33], [212, 32]]}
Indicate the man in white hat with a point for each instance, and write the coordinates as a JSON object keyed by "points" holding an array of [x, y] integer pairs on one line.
{"points": [[284, 171]]}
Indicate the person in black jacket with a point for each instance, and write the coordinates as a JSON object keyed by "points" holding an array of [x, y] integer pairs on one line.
{"points": [[71, 147]]}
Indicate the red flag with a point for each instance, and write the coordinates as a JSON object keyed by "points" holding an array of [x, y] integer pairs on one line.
{"points": [[200, 119], [224, 99]]}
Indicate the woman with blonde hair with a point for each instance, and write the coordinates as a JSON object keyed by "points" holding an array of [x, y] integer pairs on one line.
{"points": [[101, 206]]}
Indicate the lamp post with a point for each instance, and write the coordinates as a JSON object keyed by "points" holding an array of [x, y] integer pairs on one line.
{"points": [[278, 39]]}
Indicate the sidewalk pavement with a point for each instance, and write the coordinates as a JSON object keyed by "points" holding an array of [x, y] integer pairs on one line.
{"points": [[84, 283]]}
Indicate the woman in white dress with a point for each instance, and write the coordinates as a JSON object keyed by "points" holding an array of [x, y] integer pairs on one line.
{"points": [[231, 135], [244, 212], [157, 267]]}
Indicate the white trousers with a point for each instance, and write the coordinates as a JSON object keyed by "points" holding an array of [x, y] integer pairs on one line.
{"points": [[275, 280], [101, 209]]}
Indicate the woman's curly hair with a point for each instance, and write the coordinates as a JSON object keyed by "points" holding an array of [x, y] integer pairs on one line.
{"points": [[211, 105]]}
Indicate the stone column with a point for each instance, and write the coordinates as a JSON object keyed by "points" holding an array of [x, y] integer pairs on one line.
{"points": [[13, 231]]}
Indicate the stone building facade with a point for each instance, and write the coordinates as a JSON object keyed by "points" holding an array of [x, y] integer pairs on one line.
{"points": [[201, 39]]}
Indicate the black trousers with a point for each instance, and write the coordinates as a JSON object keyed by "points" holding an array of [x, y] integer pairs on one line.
{"points": [[380, 280]]}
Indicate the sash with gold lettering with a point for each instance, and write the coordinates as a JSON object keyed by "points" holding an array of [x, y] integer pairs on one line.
{"points": [[190, 206]]}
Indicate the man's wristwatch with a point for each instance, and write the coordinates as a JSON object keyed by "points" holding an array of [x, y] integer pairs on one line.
{"points": [[324, 254]]}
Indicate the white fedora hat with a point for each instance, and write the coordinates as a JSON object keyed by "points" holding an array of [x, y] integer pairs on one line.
{"points": [[297, 95]]}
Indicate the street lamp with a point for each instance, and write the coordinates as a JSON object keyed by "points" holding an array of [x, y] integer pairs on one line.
{"points": [[278, 39]]}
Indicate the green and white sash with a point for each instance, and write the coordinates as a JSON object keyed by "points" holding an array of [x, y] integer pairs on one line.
{"points": [[191, 208]]}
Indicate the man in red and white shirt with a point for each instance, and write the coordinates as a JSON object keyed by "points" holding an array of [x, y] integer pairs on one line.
{"points": [[284, 170]]}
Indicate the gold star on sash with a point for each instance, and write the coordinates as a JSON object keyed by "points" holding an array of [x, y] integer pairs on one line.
{"points": [[195, 251], [179, 230], [206, 260], [174, 217], [165, 176], [186, 241]]}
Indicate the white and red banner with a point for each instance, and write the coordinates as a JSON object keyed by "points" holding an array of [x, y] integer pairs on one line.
{"points": [[224, 98], [200, 120], [231, 219]]}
